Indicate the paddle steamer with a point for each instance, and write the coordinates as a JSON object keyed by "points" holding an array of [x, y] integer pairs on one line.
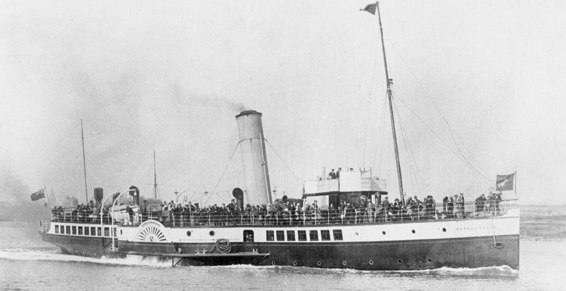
{"points": [[361, 237]]}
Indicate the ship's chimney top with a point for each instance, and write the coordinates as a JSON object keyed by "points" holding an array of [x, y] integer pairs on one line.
{"points": [[248, 112]]}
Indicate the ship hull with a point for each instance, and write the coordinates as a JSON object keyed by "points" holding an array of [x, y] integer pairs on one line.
{"points": [[400, 255], [415, 245], [95, 247]]}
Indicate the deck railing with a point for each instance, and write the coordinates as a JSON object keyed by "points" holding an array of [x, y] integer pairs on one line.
{"points": [[185, 218]]}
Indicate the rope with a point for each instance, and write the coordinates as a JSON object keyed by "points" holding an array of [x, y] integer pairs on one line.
{"points": [[223, 245], [282, 160], [412, 161], [440, 113], [447, 146], [222, 176], [381, 133], [260, 161]]}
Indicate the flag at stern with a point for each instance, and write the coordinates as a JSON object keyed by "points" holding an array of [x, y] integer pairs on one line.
{"points": [[505, 182]]}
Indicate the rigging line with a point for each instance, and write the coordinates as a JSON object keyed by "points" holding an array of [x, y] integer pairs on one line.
{"points": [[282, 160], [225, 169], [189, 199], [365, 141], [407, 148], [431, 101], [381, 133], [412, 165], [412, 170], [260, 161], [227, 200], [461, 159]]}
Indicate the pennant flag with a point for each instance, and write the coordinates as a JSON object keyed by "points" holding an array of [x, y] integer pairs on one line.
{"points": [[504, 182], [38, 195], [370, 8]]}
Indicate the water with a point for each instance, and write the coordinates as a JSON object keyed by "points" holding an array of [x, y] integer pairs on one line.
{"points": [[27, 263]]}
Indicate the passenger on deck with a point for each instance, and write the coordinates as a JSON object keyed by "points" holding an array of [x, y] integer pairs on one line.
{"points": [[430, 206], [410, 208], [350, 212], [494, 200], [144, 207], [445, 204], [480, 203], [460, 206], [371, 212], [386, 207], [396, 209], [419, 203], [332, 174], [130, 212], [450, 207]]}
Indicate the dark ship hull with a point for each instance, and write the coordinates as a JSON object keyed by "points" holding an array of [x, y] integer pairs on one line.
{"points": [[417, 245]]}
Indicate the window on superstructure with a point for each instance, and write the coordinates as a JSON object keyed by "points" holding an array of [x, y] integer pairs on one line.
{"points": [[291, 235], [114, 232], [80, 230], [62, 229], [93, 231], [325, 234], [313, 234], [87, 230], [56, 229], [74, 230], [68, 230], [302, 235], [248, 235], [269, 235], [106, 231], [337, 234], [280, 235], [99, 231]]}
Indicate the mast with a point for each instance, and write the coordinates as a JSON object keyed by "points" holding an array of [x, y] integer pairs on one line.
{"points": [[154, 178], [390, 97], [84, 161]]}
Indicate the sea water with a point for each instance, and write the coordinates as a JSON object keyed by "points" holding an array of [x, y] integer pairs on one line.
{"points": [[28, 263]]}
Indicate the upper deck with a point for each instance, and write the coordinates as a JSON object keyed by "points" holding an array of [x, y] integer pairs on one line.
{"points": [[346, 182], [183, 217]]}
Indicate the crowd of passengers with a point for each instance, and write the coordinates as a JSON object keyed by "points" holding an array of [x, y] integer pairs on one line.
{"points": [[285, 213]]}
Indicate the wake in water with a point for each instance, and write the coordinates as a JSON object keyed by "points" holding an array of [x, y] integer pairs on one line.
{"points": [[484, 272], [52, 254]]}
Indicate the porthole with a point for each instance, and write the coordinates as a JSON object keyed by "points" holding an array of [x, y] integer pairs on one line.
{"points": [[383, 232], [413, 231], [211, 233], [429, 260], [189, 233], [399, 261], [356, 233], [444, 229], [273, 263], [318, 263], [371, 262], [120, 232], [294, 263], [343, 263]]}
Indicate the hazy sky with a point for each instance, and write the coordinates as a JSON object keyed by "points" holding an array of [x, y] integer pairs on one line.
{"points": [[171, 76]]}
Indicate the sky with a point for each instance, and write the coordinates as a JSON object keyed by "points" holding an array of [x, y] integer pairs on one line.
{"points": [[478, 89]]}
